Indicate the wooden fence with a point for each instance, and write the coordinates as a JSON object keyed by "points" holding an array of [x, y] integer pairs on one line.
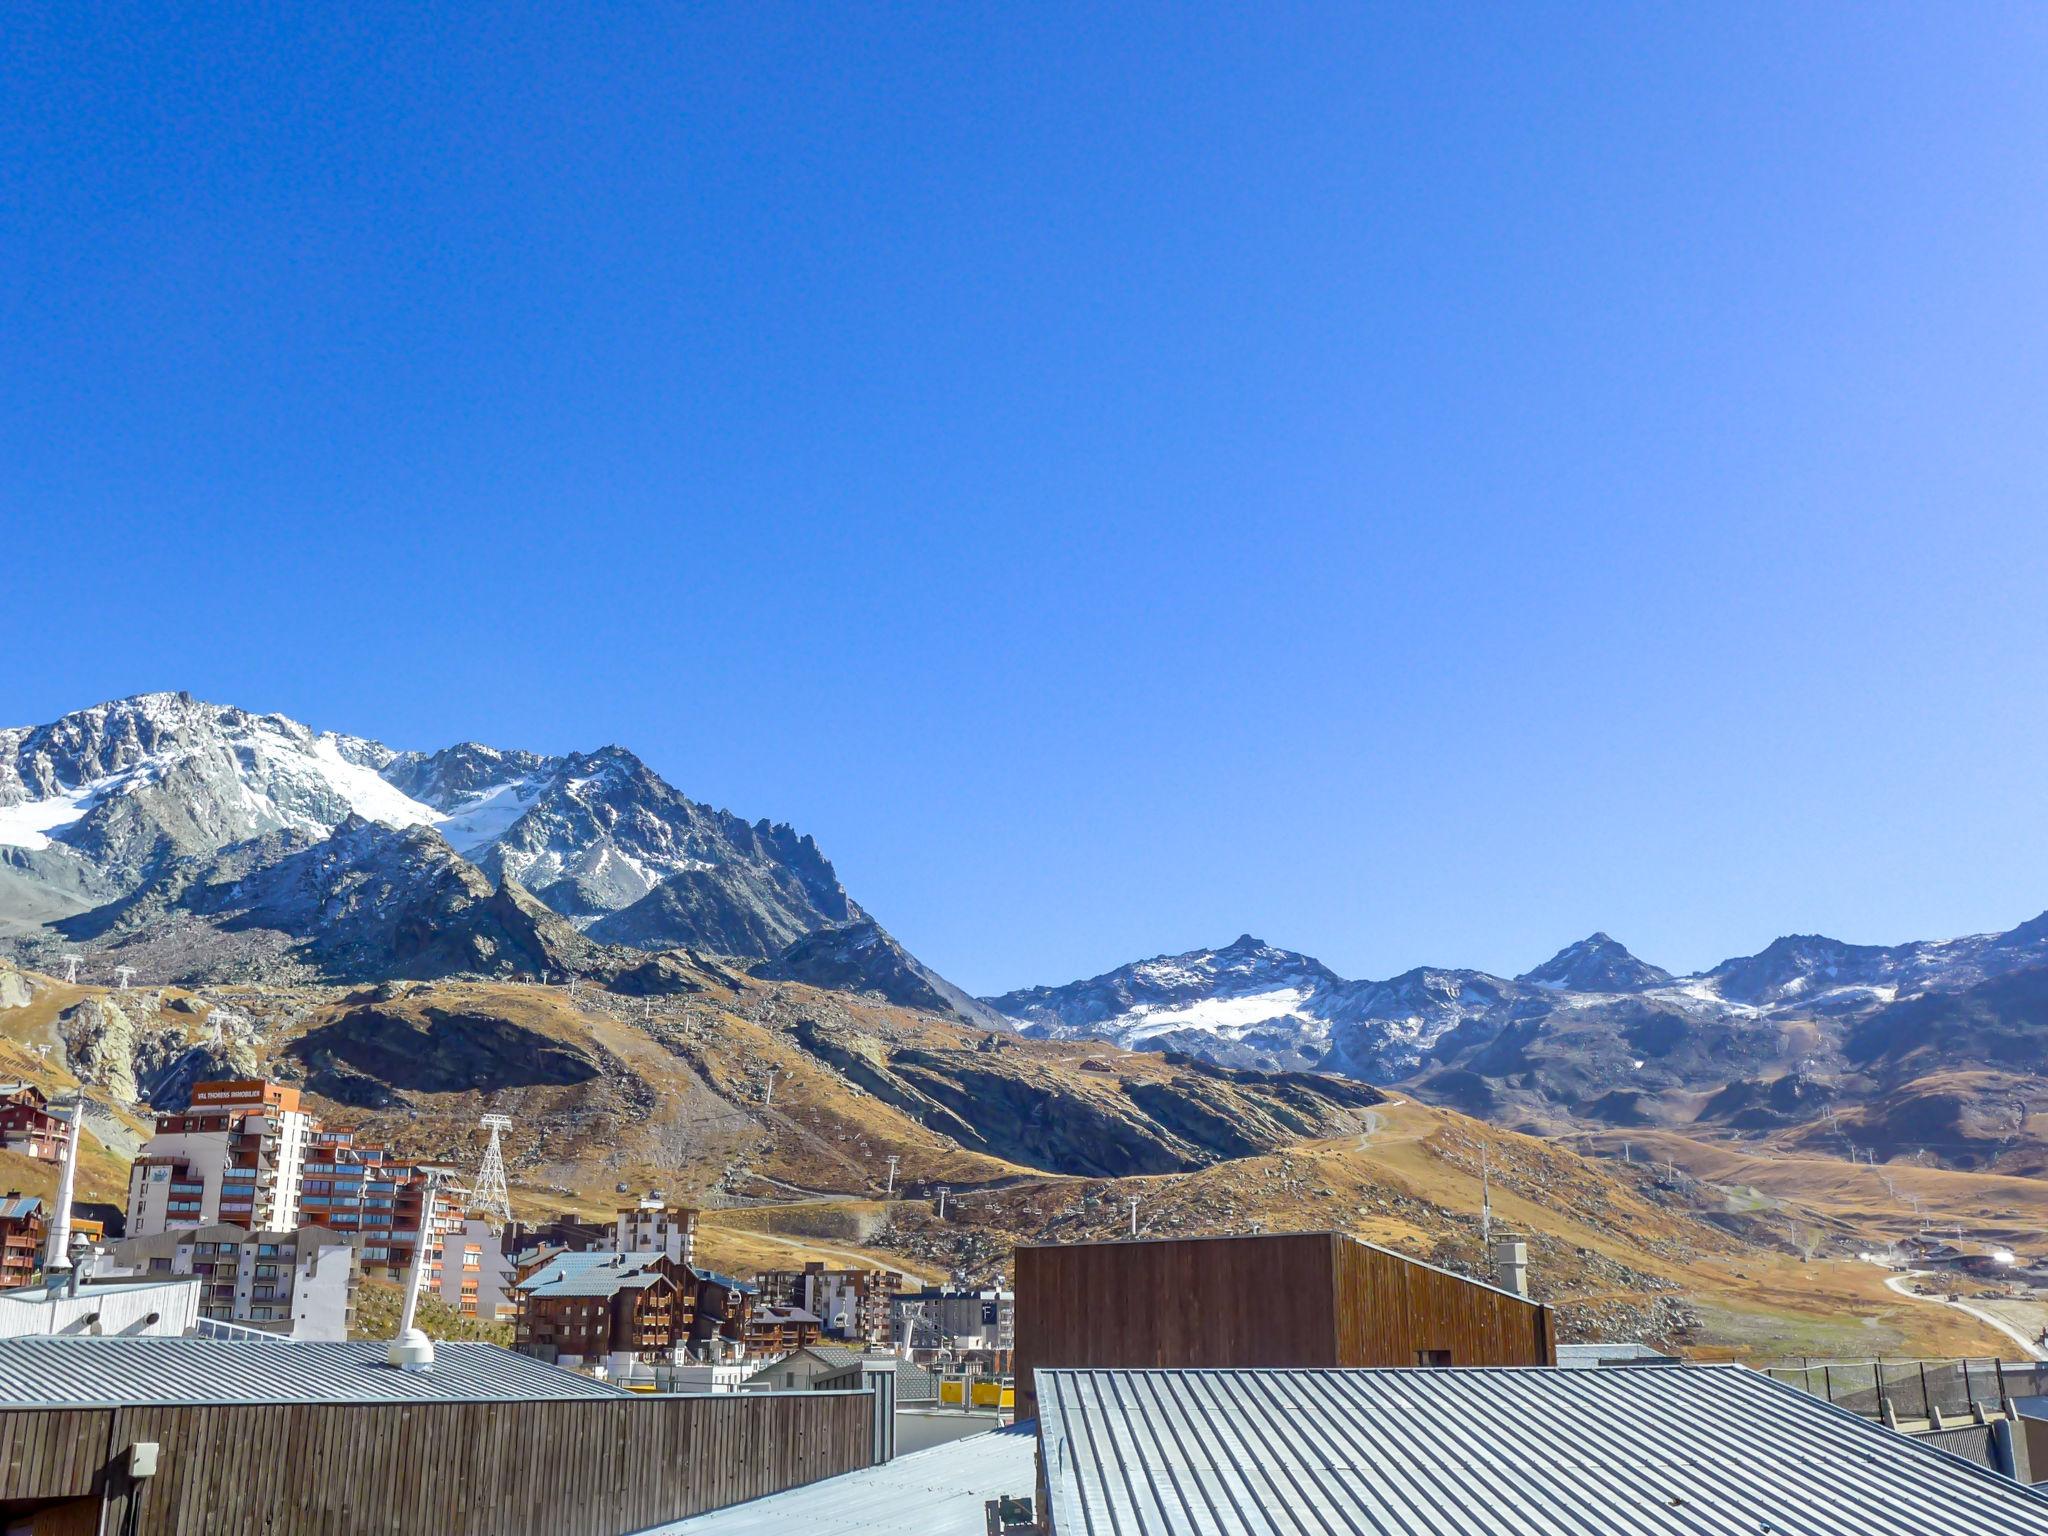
{"points": [[572, 1468]]}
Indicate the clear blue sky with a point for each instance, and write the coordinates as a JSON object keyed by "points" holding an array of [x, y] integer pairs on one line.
{"points": [[1417, 483]]}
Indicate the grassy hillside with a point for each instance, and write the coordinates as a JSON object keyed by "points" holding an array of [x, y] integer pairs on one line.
{"points": [[1723, 1250]]}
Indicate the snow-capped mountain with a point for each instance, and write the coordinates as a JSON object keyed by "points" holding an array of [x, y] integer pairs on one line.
{"points": [[1251, 1004], [161, 814], [1595, 964], [1593, 1033], [1245, 1000]]}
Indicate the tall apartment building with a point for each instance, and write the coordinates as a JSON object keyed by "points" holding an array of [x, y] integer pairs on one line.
{"points": [[655, 1227], [246, 1154], [237, 1155], [366, 1190]]}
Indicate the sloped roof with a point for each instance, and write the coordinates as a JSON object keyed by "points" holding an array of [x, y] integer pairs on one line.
{"points": [[1665, 1451], [16, 1207], [599, 1282], [935, 1492], [727, 1281], [565, 1266], [95, 1372]]}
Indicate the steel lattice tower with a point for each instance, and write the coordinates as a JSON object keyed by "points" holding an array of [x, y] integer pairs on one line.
{"points": [[490, 1198]]}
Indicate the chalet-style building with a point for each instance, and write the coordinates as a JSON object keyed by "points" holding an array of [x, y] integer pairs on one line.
{"points": [[28, 1127], [627, 1310], [22, 1231], [776, 1331]]}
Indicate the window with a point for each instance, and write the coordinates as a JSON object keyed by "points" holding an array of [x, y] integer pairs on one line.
{"points": [[1432, 1357], [159, 1266]]}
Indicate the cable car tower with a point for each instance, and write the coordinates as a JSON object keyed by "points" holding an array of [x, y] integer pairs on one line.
{"points": [[490, 1199]]}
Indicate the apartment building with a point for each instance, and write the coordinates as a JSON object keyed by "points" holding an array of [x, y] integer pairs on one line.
{"points": [[951, 1321], [849, 1303], [300, 1283], [367, 1191], [28, 1127], [237, 1155], [618, 1310], [628, 1310], [477, 1274], [773, 1332], [653, 1226]]}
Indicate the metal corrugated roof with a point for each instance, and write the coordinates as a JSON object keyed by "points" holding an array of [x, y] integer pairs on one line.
{"points": [[570, 1265], [938, 1492], [608, 1282], [98, 1372], [1530, 1451]]}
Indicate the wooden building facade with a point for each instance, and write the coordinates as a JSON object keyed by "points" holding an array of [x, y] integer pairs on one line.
{"points": [[570, 1468], [1287, 1299]]}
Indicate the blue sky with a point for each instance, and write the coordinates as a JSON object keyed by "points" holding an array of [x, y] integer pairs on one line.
{"points": [[1416, 483]]}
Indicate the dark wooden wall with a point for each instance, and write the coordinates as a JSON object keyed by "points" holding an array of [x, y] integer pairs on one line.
{"points": [[588, 1468], [1389, 1308], [1288, 1299]]}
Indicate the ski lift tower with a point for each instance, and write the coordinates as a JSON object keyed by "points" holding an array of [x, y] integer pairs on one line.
{"points": [[490, 1198]]}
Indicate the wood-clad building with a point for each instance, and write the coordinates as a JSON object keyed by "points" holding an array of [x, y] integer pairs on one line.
{"points": [[28, 1127], [22, 1231], [1286, 1299], [295, 1439]]}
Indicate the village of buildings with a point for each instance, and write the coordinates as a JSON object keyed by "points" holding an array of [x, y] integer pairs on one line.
{"points": [[171, 1365]]}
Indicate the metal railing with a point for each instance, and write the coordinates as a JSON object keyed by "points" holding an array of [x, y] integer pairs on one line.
{"points": [[217, 1328], [1914, 1389]]}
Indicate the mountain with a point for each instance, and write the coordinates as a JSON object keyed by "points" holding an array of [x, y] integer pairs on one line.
{"points": [[199, 840], [1247, 1003], [1595, 964], [862, 957], [1596, 1037]]}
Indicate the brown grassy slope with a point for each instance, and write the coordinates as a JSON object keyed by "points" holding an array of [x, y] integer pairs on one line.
{"points": [[1874, 1201], [673, 1094], [1621, 1253]]}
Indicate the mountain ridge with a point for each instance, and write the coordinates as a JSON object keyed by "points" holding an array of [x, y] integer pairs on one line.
{"points": [[195, 840]]}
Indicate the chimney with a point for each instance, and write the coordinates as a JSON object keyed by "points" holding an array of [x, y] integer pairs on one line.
{"points": [[1511, 1265]]}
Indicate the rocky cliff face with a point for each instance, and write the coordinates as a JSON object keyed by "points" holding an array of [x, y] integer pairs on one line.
{"points": [[138, 1048]]}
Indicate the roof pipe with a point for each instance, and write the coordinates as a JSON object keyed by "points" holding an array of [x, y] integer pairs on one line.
{"points": [[57, 1247], [412, 1350]]}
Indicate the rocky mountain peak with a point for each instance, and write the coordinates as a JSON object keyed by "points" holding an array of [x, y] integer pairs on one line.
{"points": [[116, 817], [1596, 963]]}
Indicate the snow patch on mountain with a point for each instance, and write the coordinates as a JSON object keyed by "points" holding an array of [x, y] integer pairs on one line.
{"points": [[1226, 1017], [30, 823]]}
